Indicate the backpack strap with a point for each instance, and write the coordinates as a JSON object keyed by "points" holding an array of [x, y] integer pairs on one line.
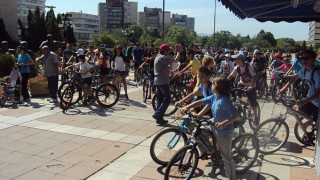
{"points": [[208, 88], [247, 70], [312, 74]]}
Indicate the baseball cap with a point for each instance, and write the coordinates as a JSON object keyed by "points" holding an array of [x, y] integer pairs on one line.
{"points": [[164, 47], [256, 52], [277, 55], [80, 52], [227, 55], [238, 56]]}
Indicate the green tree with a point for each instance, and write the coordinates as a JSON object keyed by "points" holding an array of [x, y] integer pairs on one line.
{"points": [[304, 46], [104, 38], [285, 44], [146, 39], [177, 34], [268, 36], [52, 26], [120, 38], [137, 33], [36, 29], [157, 42], [4, 35], [24, 36]]}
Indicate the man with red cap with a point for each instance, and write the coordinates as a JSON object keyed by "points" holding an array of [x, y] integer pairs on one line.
{"points": [[274, 65], [162, 83]]}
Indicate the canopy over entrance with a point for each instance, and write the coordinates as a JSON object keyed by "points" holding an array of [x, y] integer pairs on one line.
{"points": [[275, 10]]}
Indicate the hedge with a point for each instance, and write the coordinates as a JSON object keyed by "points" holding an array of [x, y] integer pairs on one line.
{"points": [[6, 64]]}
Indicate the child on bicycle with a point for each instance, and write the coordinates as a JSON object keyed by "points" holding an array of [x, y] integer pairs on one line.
{"points": [[224, 114], [285, 67], [311, 73], [204, 89], [84, 68], [275, 64], [247, 79]]}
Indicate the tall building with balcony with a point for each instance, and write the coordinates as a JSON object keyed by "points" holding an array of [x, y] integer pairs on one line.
{"points": [[114, 13], [314, 32], [183, 20], [9, 15], [152, 18], [23, 7], [85, 26]]}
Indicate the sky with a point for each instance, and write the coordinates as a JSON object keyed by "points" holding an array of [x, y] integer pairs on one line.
{"points": [[203, 11]]}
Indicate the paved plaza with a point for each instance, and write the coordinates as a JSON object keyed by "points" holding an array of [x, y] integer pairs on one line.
{"points": [[38, 141]]}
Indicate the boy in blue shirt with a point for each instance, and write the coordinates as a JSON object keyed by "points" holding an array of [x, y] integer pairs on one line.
{"points": [[224, 114], [311, 73]]}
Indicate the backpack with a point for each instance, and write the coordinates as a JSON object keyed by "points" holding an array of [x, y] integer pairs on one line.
{"points": [[246, 76], [312, 73]]}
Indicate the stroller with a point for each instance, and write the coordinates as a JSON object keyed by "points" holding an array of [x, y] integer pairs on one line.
{"points": [[11, 91]]}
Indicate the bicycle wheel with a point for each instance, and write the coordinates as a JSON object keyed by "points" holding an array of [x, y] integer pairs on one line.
{"points": [[188, 157], [263, 88], [287, 98], [165, 144], [107, 95], [309, 138], [145, 91], [66, 98], [171, 108], [77, 96], [118, 85], [272, 134], [245, 150], [274, 95], [253, 122]]}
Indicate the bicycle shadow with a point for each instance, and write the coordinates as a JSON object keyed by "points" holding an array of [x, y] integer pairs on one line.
{"points": [[93, 109], [198, 172], [287, 160]]}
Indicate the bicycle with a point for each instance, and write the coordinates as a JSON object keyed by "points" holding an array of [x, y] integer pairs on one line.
{"points": [[106, 94], [185, 161], [262, 86], [241, 102], [274, 133], [169, 140]]}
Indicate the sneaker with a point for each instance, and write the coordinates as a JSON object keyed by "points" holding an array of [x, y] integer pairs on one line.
{"points": [[27, 100], [90, 98], [159, 120], [49, 99], [53, 100], [149, 97], [85, 103], [127, 97]]}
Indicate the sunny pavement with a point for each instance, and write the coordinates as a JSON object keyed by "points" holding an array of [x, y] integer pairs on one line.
{"points": [[38, 141]]}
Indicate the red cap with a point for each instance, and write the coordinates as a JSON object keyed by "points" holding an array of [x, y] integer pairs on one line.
{"points": [[164, 47], [277, 55]]}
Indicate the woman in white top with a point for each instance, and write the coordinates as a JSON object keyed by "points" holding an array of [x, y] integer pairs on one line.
{"points": [[120, 66]]}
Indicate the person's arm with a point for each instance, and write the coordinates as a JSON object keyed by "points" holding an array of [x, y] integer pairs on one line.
{"points": [[146, 61], [288, 72], [202, 112], [223, 124], [189, 97], [192, 105], [39, 59], [177, 58], [291, 81], [184, 70], [254, 78], [234, 73], [311, 98], [71, 59]]}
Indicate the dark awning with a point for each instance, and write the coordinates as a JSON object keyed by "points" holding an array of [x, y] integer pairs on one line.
{"points": [[275, 10]]}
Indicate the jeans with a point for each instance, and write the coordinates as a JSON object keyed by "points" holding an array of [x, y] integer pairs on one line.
{"points": [[163, 99], [53, 86], [24, 85], [311, 110]]}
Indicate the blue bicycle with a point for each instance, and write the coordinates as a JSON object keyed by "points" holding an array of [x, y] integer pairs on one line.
{"points": [[170, 140], [184, 162]]}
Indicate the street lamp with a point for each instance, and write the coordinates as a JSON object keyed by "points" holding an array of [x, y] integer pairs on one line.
{"points": [[127, 31], [66, 23]]}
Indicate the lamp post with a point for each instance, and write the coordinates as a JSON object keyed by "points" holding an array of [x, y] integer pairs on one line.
{"points": [[163, 3], [127, 31], [66, 23]]}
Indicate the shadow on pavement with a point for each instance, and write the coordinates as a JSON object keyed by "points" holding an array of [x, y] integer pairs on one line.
{"points": [[287, 160], [265, 176]]}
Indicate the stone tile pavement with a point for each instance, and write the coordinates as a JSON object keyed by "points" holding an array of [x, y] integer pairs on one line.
{"points": [[38, 141]]}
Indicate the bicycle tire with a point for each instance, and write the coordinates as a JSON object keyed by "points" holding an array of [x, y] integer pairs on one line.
{"points": [[171, 109], [275, 97], [240, 152], [181, 153], [306, 124], [253, 125], [66, 99], [287, 102], [264, 136], [263, 88], [157, 158], [77, 89], [145, 91], [105, 90]]}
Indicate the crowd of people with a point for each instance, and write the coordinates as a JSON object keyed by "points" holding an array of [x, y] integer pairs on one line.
{"points": [[212, 73]]}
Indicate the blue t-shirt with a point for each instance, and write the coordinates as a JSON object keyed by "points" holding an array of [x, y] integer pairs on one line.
{"points": [[297, 66], [24, 59], [312, 86], [275, 64], [67, 55], [205, 91], [222, 109], [137, 53]]}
